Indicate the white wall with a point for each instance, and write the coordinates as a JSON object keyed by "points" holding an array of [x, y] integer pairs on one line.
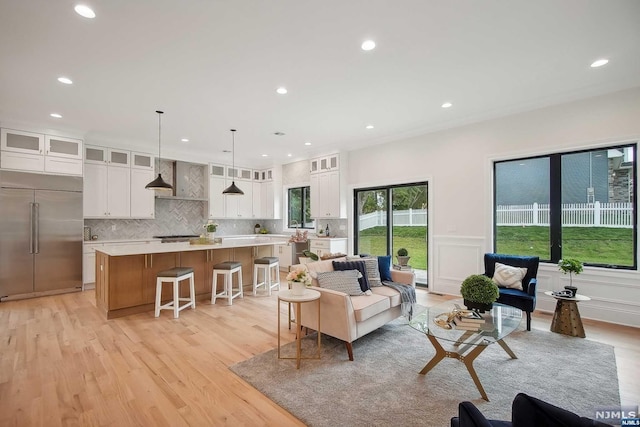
{"points": [[457, 163]]}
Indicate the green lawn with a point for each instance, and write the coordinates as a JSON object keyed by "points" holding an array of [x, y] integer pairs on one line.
{"points": [[414, 239], [596, 245]]}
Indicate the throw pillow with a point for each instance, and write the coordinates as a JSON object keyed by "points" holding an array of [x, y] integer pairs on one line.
{"points": [[373, 273], [354, 265], [384, 266], [342, 281], [508, 276]]}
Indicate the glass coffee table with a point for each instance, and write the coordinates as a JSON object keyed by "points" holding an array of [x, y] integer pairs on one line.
{"points": [[438, 323]]}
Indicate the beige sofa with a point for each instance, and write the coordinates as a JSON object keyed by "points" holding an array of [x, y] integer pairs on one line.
{"points": [[350, 317]]}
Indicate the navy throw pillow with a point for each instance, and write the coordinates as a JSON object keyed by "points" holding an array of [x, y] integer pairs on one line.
{"points": [[355, 265], [384, 265]]}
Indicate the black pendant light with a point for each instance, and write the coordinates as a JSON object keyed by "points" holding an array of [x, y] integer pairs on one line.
{"points": [[158, 183], [233, 189]]}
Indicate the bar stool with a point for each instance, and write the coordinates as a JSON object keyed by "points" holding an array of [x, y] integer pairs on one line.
{"points": [[175, 276], [227, 269], [270, 268]]}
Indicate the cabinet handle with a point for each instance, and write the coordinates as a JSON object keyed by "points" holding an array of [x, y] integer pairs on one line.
{"points": [[151, 260]]}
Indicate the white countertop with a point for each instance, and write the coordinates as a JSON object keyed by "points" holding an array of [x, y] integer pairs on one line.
{"points": [[157, 247]]}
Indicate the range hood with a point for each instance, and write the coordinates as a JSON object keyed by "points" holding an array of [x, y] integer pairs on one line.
{"points": [[188, 180]]}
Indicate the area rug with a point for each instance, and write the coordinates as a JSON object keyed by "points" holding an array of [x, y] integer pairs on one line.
{"points": [[382, 386]]}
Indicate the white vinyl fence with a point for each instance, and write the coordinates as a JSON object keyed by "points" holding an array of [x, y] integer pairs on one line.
{"points": [[613, 215], [410, 217]]}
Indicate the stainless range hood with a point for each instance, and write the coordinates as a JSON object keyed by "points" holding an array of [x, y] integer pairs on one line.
{"points": [[189, 181]]}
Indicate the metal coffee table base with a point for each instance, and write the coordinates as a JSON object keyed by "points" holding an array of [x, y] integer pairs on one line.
{"points": [[467, 353]]}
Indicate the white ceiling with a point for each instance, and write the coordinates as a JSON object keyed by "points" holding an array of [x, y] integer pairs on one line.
{"points": [[212, 65]]}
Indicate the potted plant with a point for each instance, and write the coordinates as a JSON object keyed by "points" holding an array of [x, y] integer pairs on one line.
{"points": [[571, 266], [256, 228], [479, 292], [211, 228], [403, 256], [298, 280]]}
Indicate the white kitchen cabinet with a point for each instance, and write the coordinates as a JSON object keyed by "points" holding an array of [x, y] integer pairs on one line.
{"points": [[326, 195], [107, 191], [325, 164], [268, 203], [143, 200], [110, 156], [258, 211], [35, 152], [285, 256], [328, 245], [240, 206], [216, 198], [142, 161]]}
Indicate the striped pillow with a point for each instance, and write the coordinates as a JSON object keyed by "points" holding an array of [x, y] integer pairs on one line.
{"points": [[355, 265], [342, 281]]}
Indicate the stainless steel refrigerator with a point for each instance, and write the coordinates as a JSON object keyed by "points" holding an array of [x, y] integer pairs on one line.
{"points": [[41, 234]]}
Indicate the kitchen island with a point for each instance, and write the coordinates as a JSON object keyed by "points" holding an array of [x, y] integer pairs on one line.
{"points": [[126, 275]]}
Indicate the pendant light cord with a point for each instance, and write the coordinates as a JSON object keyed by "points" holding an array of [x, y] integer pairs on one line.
{"points": [[233, 152], [160, 113]]}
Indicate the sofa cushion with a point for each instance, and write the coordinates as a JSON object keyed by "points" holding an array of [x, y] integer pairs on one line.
{"points": [[354, 265], [368, 306], [508, 276], [392, 294], [342, 281], [384, 266]]}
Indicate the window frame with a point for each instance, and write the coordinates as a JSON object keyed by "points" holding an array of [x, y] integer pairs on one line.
{"points": [[555, 200], [306, 192]]}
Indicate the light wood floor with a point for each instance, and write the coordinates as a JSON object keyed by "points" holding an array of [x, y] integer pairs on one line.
{"points": [[62, 363]]}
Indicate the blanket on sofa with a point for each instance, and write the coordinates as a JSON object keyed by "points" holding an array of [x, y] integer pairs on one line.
{"points": [[407, 297]]}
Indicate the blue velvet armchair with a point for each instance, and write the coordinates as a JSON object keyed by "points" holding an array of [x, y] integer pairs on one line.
{"points": [[524, 299], [526, 411]]}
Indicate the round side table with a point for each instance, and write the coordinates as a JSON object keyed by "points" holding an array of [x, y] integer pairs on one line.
{"points": [[309, 296], [566, 318]]}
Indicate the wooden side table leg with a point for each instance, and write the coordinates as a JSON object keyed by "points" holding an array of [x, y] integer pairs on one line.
{"points": [[566, 319], [298, 335]]}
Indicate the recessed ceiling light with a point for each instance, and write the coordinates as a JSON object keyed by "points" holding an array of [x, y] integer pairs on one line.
{"points": [[368, 45], [278, 133], [282, 90], [265, 155], [185, 140], [307, 143], [65, 80], [85, 11], [369, 126], [447, 105], [599, 63], [289, 155], [55, 115]]}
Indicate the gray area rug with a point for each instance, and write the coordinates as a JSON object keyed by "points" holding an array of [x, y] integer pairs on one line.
{"points": [[382, 386]]}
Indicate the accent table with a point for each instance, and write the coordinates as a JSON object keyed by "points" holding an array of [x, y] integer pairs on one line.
{"points": [[466, 345], [309, 296], [566, 318]]}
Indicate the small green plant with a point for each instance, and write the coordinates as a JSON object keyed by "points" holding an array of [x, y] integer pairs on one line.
{"points": [[479, 288], [403, 252], [571, 266]]}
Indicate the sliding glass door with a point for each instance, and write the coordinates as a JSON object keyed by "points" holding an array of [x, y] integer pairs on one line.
{"points": [[392, 217]]}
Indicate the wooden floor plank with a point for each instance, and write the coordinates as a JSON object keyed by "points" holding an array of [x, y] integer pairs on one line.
{"points": [[62, 363]]}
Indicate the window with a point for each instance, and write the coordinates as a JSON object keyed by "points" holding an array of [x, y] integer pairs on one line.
{"points": [[581, 205], [299, 202], [393, 217]]}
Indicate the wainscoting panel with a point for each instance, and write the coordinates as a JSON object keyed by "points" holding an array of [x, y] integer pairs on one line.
{"points": [[455, 258]]}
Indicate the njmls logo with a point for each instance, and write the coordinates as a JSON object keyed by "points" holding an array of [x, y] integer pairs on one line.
{"points": [[630, 422], [618, 414]]}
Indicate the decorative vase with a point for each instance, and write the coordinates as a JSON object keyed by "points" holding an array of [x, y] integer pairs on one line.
{"points": [[403, 260], [211, 235], [480, 307], [256, 230], [297, 288]]}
